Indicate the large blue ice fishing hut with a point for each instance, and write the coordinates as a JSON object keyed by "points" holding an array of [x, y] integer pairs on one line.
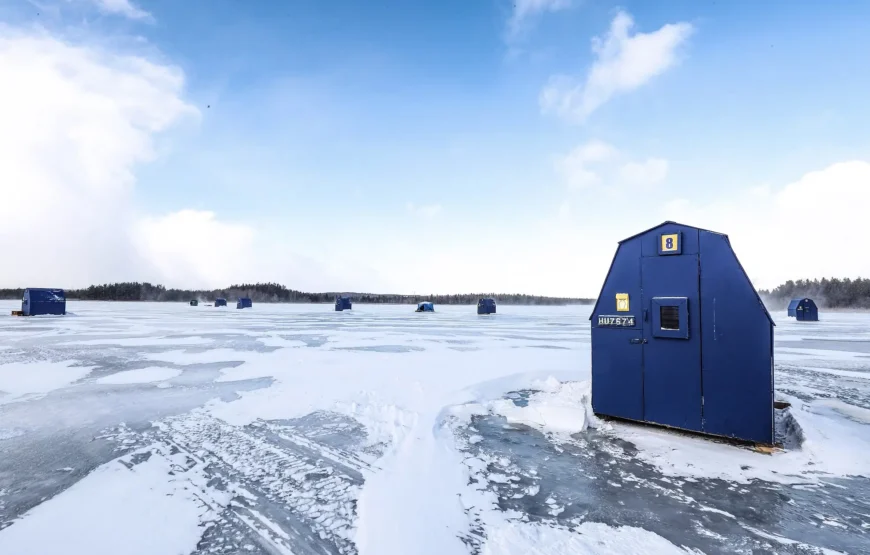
{"points": [[425, 306], [681, 338], [37, 302], [803, 310], [244, 302], [343, 303], [486, 306]]}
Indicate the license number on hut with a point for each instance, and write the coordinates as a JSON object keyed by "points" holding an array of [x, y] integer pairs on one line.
{"points": [[616, 321]]}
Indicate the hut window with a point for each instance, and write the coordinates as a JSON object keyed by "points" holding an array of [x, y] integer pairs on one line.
{"points": [[669, 317]]}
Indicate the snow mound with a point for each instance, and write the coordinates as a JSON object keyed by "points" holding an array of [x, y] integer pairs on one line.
{"points": [[559, 408], [553, 407], [820, 443]]}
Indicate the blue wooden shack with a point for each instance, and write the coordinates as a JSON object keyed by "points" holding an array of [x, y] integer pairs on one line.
{"points": [[220, 302], [244, 302], [425, 306], [343, 303], [38, 301], [681, 338], [194, 302], [803, 310], [486, 306]]}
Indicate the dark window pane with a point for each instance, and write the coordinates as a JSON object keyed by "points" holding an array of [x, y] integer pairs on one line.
{"points": [[670, 317]]}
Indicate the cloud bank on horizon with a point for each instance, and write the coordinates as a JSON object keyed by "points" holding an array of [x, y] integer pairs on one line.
{"points": [[90, 113]]}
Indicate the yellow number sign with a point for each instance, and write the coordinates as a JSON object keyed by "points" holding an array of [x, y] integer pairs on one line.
{"points": [[670, 243], [622, 302]]}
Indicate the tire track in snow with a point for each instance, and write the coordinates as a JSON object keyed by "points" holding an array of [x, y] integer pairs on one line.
{"points": [[293, 496]]}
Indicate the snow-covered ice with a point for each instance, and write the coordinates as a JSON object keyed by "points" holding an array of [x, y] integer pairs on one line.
{"points": [[146, 506], [165, 428], [38, 377]]}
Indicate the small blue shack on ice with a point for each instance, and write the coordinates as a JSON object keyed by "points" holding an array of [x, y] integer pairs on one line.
{"points": [[681, 338], [342, 303], [425, 306], [803, 310], [37, 302], [244, 302], [486, 306], [220, 302]]}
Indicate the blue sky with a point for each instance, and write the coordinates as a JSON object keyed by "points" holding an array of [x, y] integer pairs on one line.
{"points": [[357, 141]]}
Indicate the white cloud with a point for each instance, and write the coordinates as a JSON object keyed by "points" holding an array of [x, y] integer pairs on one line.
{"points": [[624, 62], [75, 125], [596, 162], [811, 228], [575, 166], [650, 172], [526, 9], [123, 8], [193, 247], [428, 211]]}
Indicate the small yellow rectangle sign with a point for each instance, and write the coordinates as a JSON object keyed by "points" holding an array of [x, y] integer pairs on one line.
{"points": [[622, 302], [670, 242]]}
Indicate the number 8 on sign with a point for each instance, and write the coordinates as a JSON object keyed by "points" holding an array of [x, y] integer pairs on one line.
{"points": [[671, 242]]}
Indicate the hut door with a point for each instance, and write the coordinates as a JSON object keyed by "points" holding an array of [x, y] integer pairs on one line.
{"points": [[672, 352]]}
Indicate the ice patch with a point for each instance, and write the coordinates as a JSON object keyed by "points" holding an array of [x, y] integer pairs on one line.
{"points": [[203, 357], [143, 341], [141, 375], [786, 541]]}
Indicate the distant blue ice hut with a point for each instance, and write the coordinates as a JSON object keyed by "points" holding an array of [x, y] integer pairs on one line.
{"points": [[425, 307], [486, 306], [220, 302], [37, 302], [342, 303], [803, 310], [680, 337], [244, 302]]}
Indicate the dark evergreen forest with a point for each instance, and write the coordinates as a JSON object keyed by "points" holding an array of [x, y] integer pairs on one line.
{"points": [[828, 293], [277, 293]]}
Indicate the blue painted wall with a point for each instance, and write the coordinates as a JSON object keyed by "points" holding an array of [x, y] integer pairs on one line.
{"points": [[37, 302], [617, 353], [737, 343]]}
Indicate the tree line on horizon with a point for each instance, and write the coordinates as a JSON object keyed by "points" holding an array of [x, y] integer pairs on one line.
{"points": [[277, 293], [828, 293]]}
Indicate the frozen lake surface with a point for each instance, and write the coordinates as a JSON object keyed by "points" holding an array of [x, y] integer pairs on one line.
{"points": [[160, 428]]}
